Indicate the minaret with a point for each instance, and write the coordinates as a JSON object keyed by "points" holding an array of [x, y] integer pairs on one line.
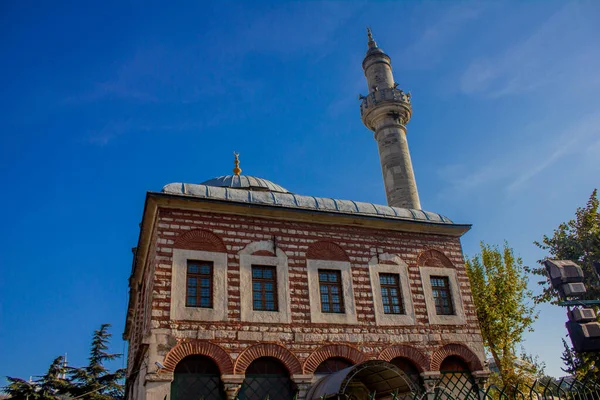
{"points": [[386, 110]]}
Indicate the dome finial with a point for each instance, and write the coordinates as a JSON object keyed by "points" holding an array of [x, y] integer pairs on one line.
{"points": [[372, 42], [237, 170]]}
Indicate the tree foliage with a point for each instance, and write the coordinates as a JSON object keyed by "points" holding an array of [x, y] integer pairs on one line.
{"points": [[577, 240], [499, 289], [48, 387], [95, 378], [92, 382]]}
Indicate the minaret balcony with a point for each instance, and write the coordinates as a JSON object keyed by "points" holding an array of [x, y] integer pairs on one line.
{"points": [[389, 95]]}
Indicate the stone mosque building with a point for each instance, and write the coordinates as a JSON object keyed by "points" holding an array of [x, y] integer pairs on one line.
{"points": [[242, 289]]}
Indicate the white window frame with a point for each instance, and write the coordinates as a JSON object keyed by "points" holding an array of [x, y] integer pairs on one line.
{"points": [[316, 315], [459, 313], [400, 268], [280, 262], [179, 310]]}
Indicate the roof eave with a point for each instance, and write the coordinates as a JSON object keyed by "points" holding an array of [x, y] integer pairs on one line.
{"points": [[302, 214], [139, 258]]}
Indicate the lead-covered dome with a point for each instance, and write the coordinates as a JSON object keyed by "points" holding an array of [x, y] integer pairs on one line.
{"points": [[245, 182]]}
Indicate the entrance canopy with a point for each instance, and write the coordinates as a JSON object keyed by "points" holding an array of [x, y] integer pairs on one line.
{"points": [[375, 376]]}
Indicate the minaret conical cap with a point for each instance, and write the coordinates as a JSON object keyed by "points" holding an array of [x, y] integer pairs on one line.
{"points": [[373, 48]]}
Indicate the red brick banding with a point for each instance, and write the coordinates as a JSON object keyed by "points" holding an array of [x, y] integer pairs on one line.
{"points": [[184, 349], [458, 350], [414, 355], [333, 350], [263, 253], [293, 239], [433, 258], [268, 350], [200, 240], [323, 250]]}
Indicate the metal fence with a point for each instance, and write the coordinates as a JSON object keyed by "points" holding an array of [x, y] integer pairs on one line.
{"points": [[460, 386], [452, 386]]}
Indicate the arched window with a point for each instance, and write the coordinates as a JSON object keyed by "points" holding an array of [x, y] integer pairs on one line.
{"points": [[197, 377], [409, 368], [331, 365], [267, 376]]}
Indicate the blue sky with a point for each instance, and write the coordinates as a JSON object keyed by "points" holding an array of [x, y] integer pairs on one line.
{"points": [[103, 102]]}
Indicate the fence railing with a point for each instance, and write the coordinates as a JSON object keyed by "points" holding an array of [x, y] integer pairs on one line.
{"points": [[461, 386]]}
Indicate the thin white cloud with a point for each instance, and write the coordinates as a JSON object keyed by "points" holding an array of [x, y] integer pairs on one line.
{"points": [[562, 51], [518, 168], [433, 42]]}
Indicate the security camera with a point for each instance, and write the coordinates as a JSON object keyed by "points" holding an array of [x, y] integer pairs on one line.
{"points": [[159, 365]]}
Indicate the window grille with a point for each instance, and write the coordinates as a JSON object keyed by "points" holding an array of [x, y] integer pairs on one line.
{"points": [[391, 294], [441, 294], [264, 288], [330, 287], [199, 284]]}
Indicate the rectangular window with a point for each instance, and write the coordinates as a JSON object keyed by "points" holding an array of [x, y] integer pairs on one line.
{"points": [[441, 294], [330, 287], [199, 284], [391, 293], [264, 288]]}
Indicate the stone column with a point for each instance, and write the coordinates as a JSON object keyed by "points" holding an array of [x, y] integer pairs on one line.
{"points": [[303, 383], [430, 382], [481, 379], [232, 384], [158, 386]]}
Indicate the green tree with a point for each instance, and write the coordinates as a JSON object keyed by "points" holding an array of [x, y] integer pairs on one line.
{"points": [[49, 387], [95, 381], [499, 289], [577, 240]]}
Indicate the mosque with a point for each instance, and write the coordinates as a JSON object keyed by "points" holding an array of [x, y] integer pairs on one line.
{"points": [[241, 289]]}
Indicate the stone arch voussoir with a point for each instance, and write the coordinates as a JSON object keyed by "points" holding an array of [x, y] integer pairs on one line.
{"points": [[433, 258], [323, 250], [458, 350], [263, 248], [332, 350], [199, 239], [268, 350], [184, 349], [416, 356]]}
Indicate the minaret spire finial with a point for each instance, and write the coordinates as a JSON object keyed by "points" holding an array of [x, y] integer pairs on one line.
{"points": [[372, 42], [237, 170]]}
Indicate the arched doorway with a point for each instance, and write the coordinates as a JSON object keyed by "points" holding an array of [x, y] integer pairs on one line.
{"points": [[409, 368], [456, 381], [267, 376], [197, 377]]}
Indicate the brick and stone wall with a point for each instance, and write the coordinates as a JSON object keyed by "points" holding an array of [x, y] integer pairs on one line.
{"points": [[300, 344]]}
